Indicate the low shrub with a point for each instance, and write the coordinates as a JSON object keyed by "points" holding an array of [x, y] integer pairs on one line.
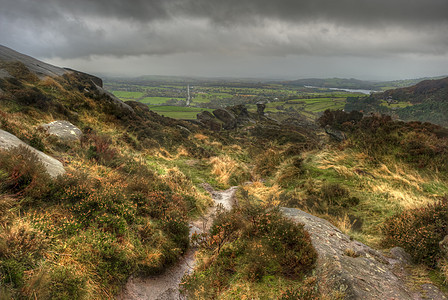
{"points": [[57, 282], [419, 231], [23, 172], [101, 149], [249, 244]]}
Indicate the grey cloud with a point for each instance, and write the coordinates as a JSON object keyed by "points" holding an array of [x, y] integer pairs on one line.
{"points": [[230, 12], [232, 28]]}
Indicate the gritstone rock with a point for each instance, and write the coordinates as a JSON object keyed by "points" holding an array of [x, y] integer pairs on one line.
{"points": [[354, 268], [64, 130], [53, 166]]}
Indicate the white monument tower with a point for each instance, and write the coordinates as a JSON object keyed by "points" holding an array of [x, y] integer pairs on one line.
{"points": [[188, 96]]}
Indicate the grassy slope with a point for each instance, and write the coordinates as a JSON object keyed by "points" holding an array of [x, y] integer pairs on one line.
{"points": [[89, 230]]}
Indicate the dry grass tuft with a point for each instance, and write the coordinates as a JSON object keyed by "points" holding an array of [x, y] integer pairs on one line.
{"points": [[268, 195], [228, 171]]}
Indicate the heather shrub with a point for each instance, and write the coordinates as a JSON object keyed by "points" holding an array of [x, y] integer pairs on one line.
{"points": [[170, 209], [306, 291], [100, 149], [250, 244], [107, 207], [20, 248], [23, 173], [419, 231]]}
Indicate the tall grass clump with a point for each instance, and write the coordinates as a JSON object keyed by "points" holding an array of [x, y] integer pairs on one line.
{"points": [[229, 171]]}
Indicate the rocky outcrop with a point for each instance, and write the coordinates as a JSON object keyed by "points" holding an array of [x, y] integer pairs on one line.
{"points": [[64, 130], [38, 67], [355, 269], [241, 114], [41, 69], [227, 117], [208, 120], [53, 166], [261, 106], [335, 133]]}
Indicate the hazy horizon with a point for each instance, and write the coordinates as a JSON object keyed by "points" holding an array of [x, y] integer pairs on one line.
{"points": [[368, 40]]}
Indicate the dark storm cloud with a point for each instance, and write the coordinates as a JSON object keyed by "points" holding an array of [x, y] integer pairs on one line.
{"points": [[233, 28], [358, 12], [240, 11]]}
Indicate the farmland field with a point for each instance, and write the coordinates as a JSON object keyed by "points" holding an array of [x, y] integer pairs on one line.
{"points": [[177, 112], [169, 98]]}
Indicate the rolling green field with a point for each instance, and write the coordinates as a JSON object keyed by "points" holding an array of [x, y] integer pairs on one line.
{"points": [[205, 96], [178, 112], [128, 95], [157, 100]]}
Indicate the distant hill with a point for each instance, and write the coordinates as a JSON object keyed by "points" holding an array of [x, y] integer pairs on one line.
{"points": [[356, 84], [333, 83], [424, 91], [427, 101]]}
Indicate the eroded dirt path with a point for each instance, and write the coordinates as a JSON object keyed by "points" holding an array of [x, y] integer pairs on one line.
{"points": [[166, 285]]}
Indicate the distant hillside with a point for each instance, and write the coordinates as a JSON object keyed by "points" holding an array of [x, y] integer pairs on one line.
{"points": [[424, 91], [426, 101], [333, 83], [352, 83]]}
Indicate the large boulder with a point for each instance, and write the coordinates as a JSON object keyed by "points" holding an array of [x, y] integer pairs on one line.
{"points": [[356, 269], [241, 114], [53, 166], [208, 120], [64, 130], [227, 117]]}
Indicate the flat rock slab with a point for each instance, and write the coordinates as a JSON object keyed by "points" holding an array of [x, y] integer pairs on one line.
{"points": [[64, 130], [354, 268], [53, 166]]}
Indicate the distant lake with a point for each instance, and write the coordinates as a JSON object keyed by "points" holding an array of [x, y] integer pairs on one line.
{"points": [[366, 92]]}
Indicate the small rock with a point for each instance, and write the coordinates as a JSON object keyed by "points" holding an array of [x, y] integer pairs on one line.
{"points": [[334, 133], [443, 244], [64, 130], [401, 255], [205, 116]]}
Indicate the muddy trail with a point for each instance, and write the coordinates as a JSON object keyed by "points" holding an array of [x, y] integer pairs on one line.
{"points": [[166, 285]]}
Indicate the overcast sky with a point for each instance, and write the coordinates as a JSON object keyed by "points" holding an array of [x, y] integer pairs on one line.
{"points": [[365, 39]]}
